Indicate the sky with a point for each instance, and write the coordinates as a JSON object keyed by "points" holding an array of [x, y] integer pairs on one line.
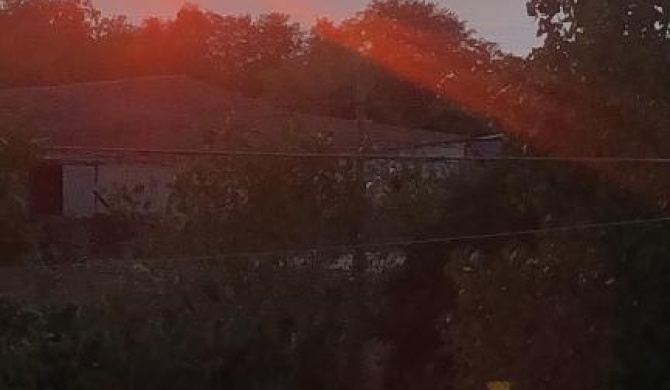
{"points": [[501, 21]]}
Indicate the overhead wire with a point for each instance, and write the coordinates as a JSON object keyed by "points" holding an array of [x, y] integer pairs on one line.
{"points": [[358, 156]]}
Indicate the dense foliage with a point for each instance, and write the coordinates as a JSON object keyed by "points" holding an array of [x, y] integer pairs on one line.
{"points": [[16, 156], [233, 326], [578, 310]]}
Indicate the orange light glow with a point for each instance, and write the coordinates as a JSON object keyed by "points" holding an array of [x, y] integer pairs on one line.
{"points": [[419, 56]]}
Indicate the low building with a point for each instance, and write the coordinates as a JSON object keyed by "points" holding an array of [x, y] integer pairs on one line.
{"points": [[106, 137]]}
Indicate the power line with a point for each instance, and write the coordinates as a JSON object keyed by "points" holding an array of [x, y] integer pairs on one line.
{"points": [[441, 240], [357, 156]]}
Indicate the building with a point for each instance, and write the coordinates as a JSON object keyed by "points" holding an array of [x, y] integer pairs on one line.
{"points": [[101, 138]]}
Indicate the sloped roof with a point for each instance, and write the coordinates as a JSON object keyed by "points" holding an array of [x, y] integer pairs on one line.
{"points": [[177, 112]]}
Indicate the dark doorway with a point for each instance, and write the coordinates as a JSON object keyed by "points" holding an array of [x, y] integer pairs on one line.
{"points": [[46, 189]]}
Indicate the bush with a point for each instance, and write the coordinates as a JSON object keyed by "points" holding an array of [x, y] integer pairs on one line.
{"points": [[16, 156], [232, 327]]}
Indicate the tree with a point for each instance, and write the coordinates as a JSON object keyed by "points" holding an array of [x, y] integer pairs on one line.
{"points": [[16, 156], [623, 40], [364, 62], [613, 55], [582, 94], [623, 47], [46, 41]]}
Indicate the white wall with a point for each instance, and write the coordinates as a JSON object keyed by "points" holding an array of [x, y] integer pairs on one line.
{"points": [[78, 187], [111, 180], [450, 150]]}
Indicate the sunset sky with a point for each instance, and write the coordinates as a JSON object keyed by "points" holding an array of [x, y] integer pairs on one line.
{"points": [[502, 21]]}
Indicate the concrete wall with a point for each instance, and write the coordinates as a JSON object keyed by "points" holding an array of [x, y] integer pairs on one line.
{"points": [[111, 181], [78, 186]]}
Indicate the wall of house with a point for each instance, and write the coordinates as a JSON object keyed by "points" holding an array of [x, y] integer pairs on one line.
{"points": [[92, 189], [442, 168], [485, 148], [78, 186], [447, 150]]}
